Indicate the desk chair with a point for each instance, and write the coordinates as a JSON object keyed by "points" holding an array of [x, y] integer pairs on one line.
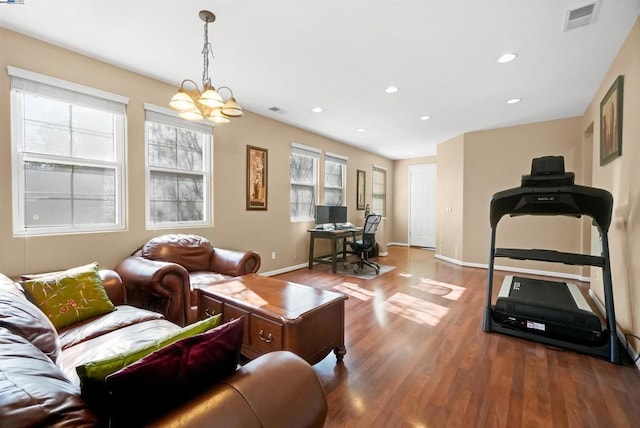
{"points": [[364, 247]]}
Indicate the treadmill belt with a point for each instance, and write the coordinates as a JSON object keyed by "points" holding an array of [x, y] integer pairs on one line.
{"points": [[542, 292]]}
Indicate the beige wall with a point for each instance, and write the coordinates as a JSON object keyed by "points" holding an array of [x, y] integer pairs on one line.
{"points": [[474, 166], [450, 199], [495, 160], [622, 178], [234, 227], [400, 232]]}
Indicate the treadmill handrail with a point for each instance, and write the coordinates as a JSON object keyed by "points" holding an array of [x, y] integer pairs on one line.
{"points": [[550, 256]]}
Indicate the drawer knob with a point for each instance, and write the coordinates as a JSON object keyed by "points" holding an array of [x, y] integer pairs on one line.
{"points": [[209, 312], [267, 339]]}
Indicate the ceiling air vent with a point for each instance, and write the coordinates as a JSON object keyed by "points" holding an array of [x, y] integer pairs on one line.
{"points": [[581, 16], [276, 109]]}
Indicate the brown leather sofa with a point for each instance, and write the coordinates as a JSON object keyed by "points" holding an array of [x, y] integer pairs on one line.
{"points": [[39, 384], [164, 275]]}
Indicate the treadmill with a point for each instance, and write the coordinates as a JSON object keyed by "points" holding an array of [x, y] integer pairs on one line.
{"points": [[550, 312]]}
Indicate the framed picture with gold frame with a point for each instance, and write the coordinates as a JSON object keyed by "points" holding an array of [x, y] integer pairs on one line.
{"points": [[257, 183], [361, 184], [611, 122]]}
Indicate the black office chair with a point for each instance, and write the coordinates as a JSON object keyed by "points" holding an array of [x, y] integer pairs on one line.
{"points": [[363, 248]]}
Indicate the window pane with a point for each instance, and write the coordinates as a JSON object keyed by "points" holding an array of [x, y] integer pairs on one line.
{"points": [[302, 169], [302, 201], [162, 211], [379, 179], [47, 212], [190, 211], [47, 180], [70, 195], [333, 174], [189, 150], [94, 183], [162, 146], [90, 119], [47, 110], [176, 197], [47, 139], [333, 197], [94, 211], [93, 146]]}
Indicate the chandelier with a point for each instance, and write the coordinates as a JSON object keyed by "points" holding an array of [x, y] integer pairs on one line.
{"points": [[194, 105]]}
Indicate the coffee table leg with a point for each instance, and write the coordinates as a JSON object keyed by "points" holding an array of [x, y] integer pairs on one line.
{"points": [[340, 353]]}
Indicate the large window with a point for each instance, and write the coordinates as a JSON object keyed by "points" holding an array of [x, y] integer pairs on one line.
{"points": [[304, 181], [178, 170], [68, 156], [379, 194], [334, 179]]}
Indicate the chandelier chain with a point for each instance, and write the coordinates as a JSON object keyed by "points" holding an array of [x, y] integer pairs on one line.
{"points": [[206, 50]]}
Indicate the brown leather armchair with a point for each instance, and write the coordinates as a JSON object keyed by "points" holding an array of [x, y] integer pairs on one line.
{"points": [[164, 274]]}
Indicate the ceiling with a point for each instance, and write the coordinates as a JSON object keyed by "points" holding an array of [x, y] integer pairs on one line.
{"points": [[340, 55]]}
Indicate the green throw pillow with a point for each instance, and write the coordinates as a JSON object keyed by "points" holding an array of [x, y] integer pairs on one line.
{"points": [[70, 296], [98, 370]]}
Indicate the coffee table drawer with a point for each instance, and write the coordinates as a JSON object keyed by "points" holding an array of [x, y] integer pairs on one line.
{"points": [[208, 306], [266, 335]]}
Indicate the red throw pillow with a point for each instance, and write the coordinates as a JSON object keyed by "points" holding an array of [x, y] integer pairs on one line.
{"points": [[165, 379]]}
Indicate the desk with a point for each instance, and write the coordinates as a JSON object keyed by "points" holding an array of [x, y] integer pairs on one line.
{"points": [[334, 236]]}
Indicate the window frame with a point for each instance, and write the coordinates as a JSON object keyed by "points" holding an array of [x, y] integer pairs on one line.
{"points": [[342, 161], [313, 153], [40, 85], [379, 196], [165, 116]]}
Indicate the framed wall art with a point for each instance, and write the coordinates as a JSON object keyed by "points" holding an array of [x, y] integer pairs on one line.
{"points": [[257, 167], [361, 189], [611, 122]]}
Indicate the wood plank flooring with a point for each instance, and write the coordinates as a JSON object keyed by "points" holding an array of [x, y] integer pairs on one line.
{"points": [[417, 357]]}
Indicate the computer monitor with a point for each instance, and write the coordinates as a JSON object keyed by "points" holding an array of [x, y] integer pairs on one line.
{"points": [[330, 214]]}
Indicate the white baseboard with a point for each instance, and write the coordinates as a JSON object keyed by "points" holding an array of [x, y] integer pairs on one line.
{"points": [[398, 244], [515, 269], [284, 269], [632, 352]]}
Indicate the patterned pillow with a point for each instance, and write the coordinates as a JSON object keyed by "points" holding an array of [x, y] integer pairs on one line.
{"points": [[70, 296]]}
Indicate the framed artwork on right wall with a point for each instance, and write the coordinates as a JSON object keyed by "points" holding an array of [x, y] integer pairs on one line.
{"points": [[361, 189], [611, 122]]}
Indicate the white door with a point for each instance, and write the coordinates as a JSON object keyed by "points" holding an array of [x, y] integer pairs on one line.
{"points": [[422, 205]]}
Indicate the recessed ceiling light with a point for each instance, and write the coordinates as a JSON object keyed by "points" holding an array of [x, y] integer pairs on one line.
{"points": [[391, 90], [508, 57], [360, 129], [317, 109], [425, 117], [514, 101]]}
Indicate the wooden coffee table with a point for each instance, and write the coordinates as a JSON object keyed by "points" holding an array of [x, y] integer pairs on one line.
{"points": [[279, 315]]}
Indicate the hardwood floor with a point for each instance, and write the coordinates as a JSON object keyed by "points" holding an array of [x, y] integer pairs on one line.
{"points": [[417, 357]]}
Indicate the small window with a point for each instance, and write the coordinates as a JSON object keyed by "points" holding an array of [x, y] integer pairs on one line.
{"points": [[304, 181], [335, 167], [68, 157], [379, 196], [179, 159]]}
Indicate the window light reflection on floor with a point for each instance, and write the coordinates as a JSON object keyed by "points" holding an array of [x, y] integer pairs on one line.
{"points": [[442, 289], [415, 309], [354, 290]]}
